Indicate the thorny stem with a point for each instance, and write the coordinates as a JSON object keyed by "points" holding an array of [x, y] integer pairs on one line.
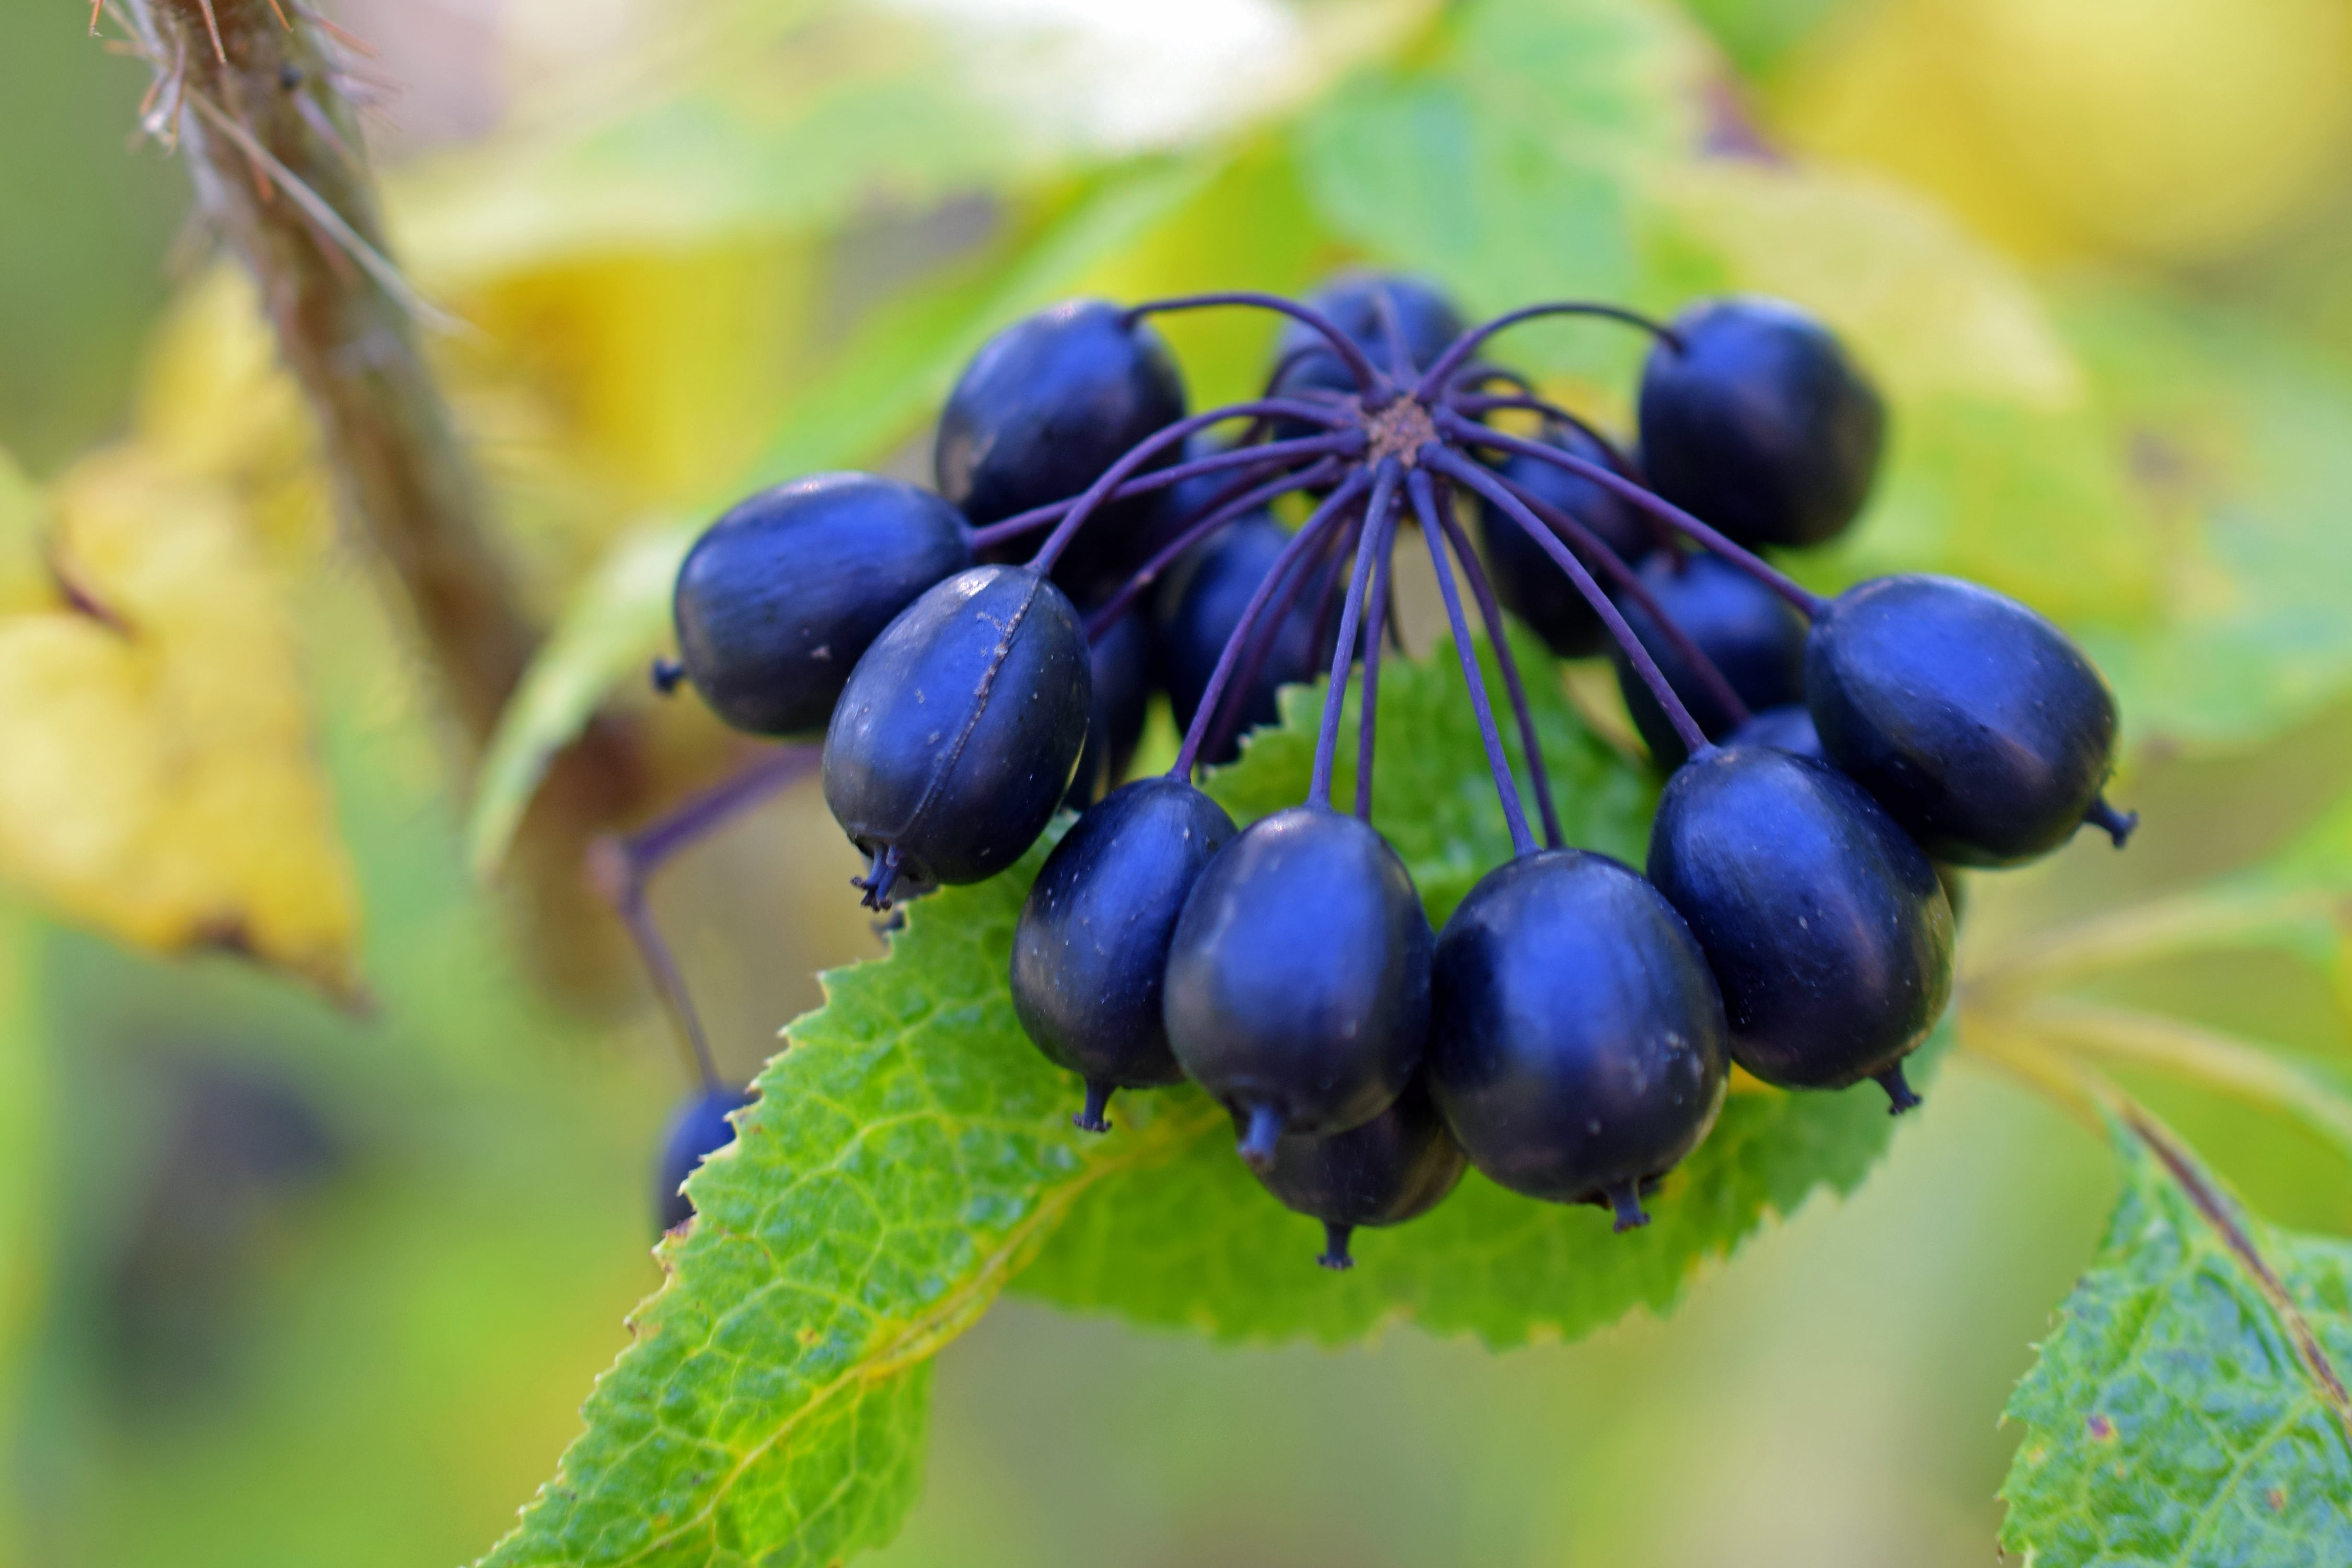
{"points": [[1595, 550], [1134, 457], [352, 341], [1107, 614], [1807, 602], [1367, 380], [1239, 456], [1476, 477], [620, 866], [1343, 654], [1463, 347], [1424, 506], [1383, 542], [1337, 503], [271, 149], [1491, 613]]}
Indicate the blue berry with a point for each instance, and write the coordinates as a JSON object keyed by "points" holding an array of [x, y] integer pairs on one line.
{"points": [[697, 1131], [779, 599], [1090, 951], [1577, 1044], [1759, 423], [1823, 923], [1297, 988], [1397, 1166], [955, 739], [1121, 661], [1529, 583], [1752, 637], [1043, 409], [1354, 303], [1973, 721], [1203, 603], [1788, 728]]}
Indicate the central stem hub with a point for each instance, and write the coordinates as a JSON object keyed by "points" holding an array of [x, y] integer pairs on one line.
{"points": [[1399, 431]]}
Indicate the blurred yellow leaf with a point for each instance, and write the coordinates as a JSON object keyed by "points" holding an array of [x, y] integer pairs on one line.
{"points": [[24, 578], [158, 781], [2182, 131]]}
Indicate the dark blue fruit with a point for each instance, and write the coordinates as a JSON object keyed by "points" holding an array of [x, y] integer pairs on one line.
{"points": [[1975, 721], [1824, 924], [1359, 304], [1760, 424], [955, 737], [1577, 1048], [698, 1130], [1788, 728], [1201, 608], [778, 597], [1298, 978], [1091, 948], [1395, 1167], [1754, 638], [1043, 409], [1121, 661], [1528, 581]]}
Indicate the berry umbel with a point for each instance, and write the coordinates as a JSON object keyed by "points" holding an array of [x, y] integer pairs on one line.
{"points": [[1571, 1031]]}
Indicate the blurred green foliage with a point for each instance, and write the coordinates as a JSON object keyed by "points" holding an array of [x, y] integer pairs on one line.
{"points": [[278, 1286]]}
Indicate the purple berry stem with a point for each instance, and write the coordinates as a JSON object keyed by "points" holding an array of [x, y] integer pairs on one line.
{"points": [[1240, 456], [621, 865], [1343, 654], [1808, 604], [1491, 613], [1333, 506], [1477, 478], [1135, 456], [1269, 628], [1424, 506], [1476, 403], [1383, 543], [1107, 614], [1595, 550], [1367, 380], [1463, 347]]}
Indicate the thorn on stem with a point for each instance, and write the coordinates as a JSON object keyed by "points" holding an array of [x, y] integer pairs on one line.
{"points": [[212, 24]]}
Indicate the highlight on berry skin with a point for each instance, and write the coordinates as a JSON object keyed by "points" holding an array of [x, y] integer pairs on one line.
{"points": [[980, 657]]}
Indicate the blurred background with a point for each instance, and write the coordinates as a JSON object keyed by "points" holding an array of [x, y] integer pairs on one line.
{"points": [[291, 1276]]}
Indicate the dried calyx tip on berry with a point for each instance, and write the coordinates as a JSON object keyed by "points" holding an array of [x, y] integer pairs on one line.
{"points": [[2116, 825], [1261, 1131]]}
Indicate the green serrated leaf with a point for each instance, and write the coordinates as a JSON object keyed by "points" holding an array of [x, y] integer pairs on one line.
{"points": [[908, 1153], [2191, 1408]]}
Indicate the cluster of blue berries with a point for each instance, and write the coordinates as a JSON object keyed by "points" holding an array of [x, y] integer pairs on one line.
{"points": [[980, 656]]}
